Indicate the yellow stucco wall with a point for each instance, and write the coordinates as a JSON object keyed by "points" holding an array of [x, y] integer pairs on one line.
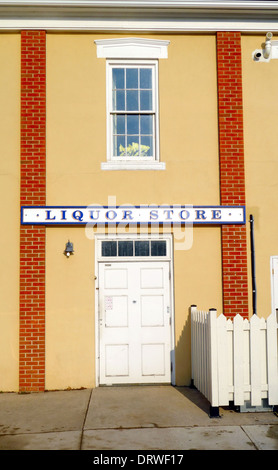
{"points": [[76, 146], [260, 94], [9, 208]]}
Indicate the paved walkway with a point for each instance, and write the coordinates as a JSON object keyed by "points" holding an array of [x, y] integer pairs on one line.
{"points": [[129, 418]]}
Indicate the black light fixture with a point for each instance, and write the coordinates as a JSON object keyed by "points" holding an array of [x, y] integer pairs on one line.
{"points": [[69, 249]]}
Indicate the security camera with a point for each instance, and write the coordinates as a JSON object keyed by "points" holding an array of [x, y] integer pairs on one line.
{"points": [[257, 55], [265, 53]]}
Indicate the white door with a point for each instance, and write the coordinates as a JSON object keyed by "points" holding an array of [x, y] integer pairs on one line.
{"points": [[134, 322]]}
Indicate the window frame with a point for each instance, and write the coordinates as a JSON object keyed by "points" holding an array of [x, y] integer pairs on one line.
{"points": [[128, 51], [135, 255], [116, 63], [133, 237]]}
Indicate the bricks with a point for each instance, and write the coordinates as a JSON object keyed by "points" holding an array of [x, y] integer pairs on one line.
{"points": [[232, 172], [32, 192]]}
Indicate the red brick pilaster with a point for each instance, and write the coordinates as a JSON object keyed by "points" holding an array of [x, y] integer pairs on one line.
{"points": [[32, 192], [232, 175]]}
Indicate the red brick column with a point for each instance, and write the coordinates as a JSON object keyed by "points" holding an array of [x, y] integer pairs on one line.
{"points": [[232, 174], [32, 192]]}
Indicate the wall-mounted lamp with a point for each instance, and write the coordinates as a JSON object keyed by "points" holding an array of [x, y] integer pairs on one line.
{"points": [[69, 249]]}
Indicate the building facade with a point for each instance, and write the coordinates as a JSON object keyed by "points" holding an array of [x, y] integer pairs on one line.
{"points": [[138, 152]]}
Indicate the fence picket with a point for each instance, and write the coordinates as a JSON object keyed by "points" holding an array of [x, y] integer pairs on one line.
{"points": [[238, 361], [198, 358], [272, 362], [255, 361], [222, 360], [246, 359], [213, 362], [193, 341]]}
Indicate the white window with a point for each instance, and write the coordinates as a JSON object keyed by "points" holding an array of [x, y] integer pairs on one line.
{"points": [[125, 247], [132, 102], [134, 248], [132, 107]]}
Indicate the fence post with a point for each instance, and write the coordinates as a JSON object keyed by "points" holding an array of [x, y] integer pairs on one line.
{"points": [[213, 363], [193, 311], [255, 361], [238, 365], [272, 362], [222, 345]]}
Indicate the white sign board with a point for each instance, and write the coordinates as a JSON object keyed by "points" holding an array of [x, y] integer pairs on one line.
{"points": [[127, 215]]}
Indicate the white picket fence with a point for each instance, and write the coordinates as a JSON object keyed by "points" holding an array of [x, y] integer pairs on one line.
{"points": [[234, 361]]}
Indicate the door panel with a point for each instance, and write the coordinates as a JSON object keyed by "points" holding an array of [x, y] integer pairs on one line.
{"points": [[151, 278], [134, 322], [116, 311], [153, 360], [116, 360], [116, 278], [152, 310]]}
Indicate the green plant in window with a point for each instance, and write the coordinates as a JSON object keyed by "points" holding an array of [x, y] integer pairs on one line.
{"points": [[132, 150]]}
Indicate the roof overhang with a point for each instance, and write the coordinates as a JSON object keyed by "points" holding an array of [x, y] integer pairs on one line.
{"points": [[139, 15]]}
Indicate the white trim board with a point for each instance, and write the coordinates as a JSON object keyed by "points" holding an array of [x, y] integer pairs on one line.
{"points": [[144, 26], [132, 48], [139, 15]]}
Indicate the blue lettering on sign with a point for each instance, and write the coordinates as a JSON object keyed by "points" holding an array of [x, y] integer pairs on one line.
{"points": [[111, 215], [184, 214], [78, 215], [200, 214], [92, 215], [127, 215], [48, 215], [63, 215], [153, 215], [168, 214], [216, 214]]}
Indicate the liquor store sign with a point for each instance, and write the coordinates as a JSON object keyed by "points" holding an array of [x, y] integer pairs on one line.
{"points": [[126, 215]]}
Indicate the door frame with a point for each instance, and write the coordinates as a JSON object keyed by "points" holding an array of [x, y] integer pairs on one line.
{"points": [[98, 259]]}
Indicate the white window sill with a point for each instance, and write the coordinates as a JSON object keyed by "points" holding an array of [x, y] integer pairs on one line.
{"points": [[133, 165]]}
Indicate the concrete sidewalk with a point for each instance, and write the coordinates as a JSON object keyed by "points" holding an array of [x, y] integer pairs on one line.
{"points": [[129, 418]]}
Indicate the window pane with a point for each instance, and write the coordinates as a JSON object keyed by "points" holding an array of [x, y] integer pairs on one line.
{"points": [[133, 124], [145, 100], [146, 146], [118, 100], [145, 78], [132, 100], [132, 145], [131, 78], [142, 248], [118, 80], [158, 248], [125, 248], [146, 124], [118, 124], [119, 145], [109, 248]]}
